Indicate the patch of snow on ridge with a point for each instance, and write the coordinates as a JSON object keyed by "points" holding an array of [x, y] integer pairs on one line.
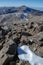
{"points": [[28, 55]]}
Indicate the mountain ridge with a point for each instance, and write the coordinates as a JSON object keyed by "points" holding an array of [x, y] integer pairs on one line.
{"points": [[21, 9]]}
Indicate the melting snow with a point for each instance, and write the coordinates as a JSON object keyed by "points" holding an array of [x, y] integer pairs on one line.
{"points": [[25, 54]]}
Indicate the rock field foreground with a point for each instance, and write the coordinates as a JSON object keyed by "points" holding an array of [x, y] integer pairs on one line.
{"points": [[18, 34]]}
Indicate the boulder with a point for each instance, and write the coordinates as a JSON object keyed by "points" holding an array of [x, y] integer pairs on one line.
{"points": [[24, 39], [12, 49], [12, 63], [40, 50], [41, 27], [4, 59], [26, 33]]}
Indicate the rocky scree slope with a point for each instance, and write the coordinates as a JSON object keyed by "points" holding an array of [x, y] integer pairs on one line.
{"points": [[19, 34], [20, 26]]}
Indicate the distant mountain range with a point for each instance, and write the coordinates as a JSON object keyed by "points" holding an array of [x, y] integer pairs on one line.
{"points": [[22, 9], [19, 14]]}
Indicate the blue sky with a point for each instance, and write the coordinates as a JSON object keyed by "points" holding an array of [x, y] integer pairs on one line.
{"points": [[29, 3]]}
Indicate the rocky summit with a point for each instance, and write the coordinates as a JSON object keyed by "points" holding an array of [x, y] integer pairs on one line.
{"points": [[20, 27]]}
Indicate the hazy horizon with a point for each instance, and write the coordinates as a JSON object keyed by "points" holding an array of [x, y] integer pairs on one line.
{"points": [[36, 4]]}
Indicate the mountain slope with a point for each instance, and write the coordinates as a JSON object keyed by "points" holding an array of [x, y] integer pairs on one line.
{"points": [[24, 9]]}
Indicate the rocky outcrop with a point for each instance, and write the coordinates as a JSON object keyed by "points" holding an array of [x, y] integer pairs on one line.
{"points": [[17, 34]]}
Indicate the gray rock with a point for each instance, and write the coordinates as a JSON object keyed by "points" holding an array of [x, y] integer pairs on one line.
{"points": [[12, 63], [4, 59]]}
